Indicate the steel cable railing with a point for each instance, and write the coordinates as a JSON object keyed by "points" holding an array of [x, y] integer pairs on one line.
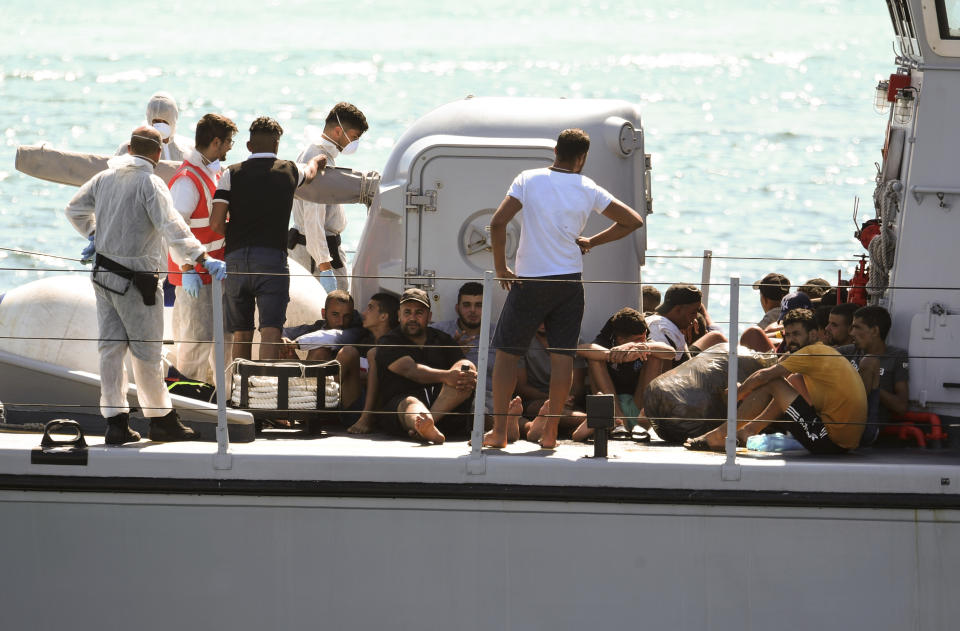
{"points": [[482, 354]]}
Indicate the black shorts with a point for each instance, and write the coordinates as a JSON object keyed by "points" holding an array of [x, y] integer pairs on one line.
{"points": [[458, 423], [808, 428], [558, 305]]}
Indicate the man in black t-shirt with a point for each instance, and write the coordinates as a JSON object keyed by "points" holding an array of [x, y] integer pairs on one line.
{"points": [[421, 372], [257, 195]]}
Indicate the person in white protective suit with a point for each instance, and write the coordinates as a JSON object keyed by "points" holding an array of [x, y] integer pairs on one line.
{"points": [[126, 213], [314, 239], [192, 188], [162, 115]]}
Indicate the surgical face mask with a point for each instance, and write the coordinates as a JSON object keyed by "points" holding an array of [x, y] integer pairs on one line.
{"points": [[214, 166], [163, 128], [350, 147]]}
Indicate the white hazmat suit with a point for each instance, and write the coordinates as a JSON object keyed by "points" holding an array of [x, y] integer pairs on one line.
{"points": [[163, 106], [130, 211]]}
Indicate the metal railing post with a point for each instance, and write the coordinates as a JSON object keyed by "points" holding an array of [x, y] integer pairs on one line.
{"points": [[223, 459], [705, 269], [730, 470], [480, 394]]}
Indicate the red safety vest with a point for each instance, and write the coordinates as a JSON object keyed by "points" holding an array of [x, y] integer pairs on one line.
{"points": [[199, 220]]}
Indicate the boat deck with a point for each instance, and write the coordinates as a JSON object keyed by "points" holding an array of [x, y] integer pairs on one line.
{"points": [[286, 462]]}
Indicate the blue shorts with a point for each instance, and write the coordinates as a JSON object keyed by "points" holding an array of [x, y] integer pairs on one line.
{"points": [[258, 277], [559, 305]]}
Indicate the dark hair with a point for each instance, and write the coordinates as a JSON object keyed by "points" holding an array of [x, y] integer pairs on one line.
{"points": [[571, 144], [340, 296], [350, 117], [803, 316], [389, 304], [266, 126], [875, 316], [829, 297], [815, 287], [627, 322], [846, 310], [822, 316], [471, 288], [213, 126], [651, 293], [679, 294]]}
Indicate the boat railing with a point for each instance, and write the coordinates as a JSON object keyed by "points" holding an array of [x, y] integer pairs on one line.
{"points": [[489, 283]]}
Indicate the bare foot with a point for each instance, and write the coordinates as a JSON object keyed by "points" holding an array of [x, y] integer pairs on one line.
{"points": [[495, 439], [364, 425], [514, 410], [535, 428], [427, 430], [582, 433], [548, 439]]}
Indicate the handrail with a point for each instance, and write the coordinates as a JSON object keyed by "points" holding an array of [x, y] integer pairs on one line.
{"points": [[728, 472], [222, 460], [476, 464]]}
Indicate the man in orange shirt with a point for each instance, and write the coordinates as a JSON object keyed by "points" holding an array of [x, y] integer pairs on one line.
{"points": [[814, 387]]}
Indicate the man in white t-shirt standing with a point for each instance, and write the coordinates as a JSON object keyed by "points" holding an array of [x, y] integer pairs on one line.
{"points": [[557, 202]]}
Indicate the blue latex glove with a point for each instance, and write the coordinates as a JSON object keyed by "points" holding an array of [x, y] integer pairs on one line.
{"points": [[192, 283], [86, 257], [215, 267], [328, 280]]}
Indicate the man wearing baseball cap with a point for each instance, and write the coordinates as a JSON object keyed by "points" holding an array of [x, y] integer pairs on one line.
{"points": [[422, 374]]}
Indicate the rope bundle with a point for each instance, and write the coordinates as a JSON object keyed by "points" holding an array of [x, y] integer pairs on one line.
{"points": [[301, 392]]}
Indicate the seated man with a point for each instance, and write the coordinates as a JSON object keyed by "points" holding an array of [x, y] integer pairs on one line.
{"points": [[323, 338], [772, 287], [838, 325], [818, 391], [815, 288], [421, 373], [358, 368], [617, 364], [885, 370], [681, 304], [533, 388], [465, 331], [651, 298], [765, 341]]}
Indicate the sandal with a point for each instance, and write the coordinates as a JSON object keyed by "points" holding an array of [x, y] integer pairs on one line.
{"points": [[619, 432], [639, 435]]}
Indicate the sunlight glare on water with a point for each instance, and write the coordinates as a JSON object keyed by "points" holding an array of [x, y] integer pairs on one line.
{"points": [[758, 114]]}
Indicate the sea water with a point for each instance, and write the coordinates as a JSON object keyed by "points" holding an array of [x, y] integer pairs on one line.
{"points": [[758, 114]]}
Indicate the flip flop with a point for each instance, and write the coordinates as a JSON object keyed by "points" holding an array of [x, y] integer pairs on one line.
{"points": [[619, 432], [640, 435]]}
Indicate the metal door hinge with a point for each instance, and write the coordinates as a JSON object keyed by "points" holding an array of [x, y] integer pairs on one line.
{"points": [[427, 200], [424, 280]]}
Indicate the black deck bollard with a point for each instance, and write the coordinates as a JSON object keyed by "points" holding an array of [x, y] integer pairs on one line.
{"points": [[600, 417]]}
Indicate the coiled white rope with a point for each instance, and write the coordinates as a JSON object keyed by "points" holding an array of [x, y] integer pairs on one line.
{"points": [[262, 391]]}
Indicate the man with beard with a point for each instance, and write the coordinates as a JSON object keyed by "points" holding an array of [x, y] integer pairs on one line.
{"points": [[465, 331], [838, 324], [421, 372], [192, 188], [814, 387]]}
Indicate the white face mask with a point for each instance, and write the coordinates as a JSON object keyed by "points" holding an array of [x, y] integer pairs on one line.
{"points": [[350, 147], [214, 167], [163, 128]]}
